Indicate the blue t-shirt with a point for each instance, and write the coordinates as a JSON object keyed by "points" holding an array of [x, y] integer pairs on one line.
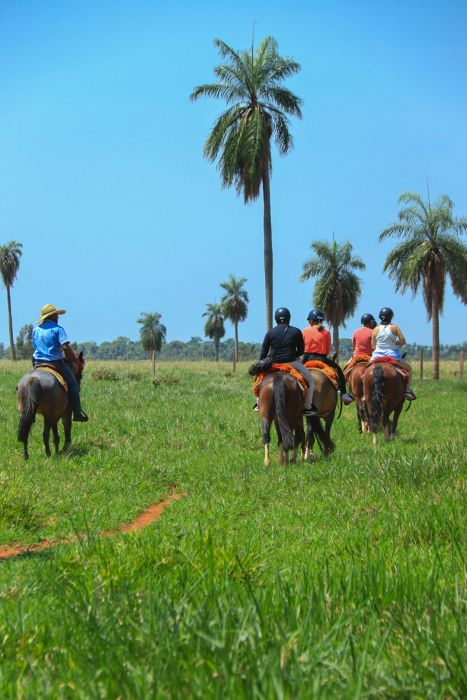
{"points": [[47, 339]]}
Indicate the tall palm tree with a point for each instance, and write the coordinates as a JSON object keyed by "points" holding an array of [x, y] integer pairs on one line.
{"points": [[257, 107], [214, 326], [234, 305], [10, 255], [152, 334], [430, 250], [337, 289]]}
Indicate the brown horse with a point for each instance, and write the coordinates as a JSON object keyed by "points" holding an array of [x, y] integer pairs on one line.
{"points": [[281, 401], [41, 392], [384, 388], [325, 400], [355, 381]]}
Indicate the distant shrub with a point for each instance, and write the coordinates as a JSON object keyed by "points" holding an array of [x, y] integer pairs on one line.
{"points": [[104, 374]]}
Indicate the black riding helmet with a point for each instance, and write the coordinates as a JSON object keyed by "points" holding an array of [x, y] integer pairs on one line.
{"points": [[282, 315], [315, 315], [367, 318], [386, 314]]}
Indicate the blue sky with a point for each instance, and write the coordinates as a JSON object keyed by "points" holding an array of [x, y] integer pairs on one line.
{"points": [[103, 180]]}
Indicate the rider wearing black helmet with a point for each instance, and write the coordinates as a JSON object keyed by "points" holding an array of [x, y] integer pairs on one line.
{"points": [[386, 340], [285, 344], [317, 340], [361, 338]]}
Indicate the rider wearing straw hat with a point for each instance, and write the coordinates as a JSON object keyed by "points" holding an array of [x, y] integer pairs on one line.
{"points": [[50, 344]]}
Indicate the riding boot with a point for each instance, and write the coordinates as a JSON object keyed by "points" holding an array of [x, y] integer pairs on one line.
{"points": [[409, 395], [256, 406], [311, 411]]}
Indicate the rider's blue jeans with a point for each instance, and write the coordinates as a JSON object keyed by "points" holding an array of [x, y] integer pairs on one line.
{"points": [[73, 388]]}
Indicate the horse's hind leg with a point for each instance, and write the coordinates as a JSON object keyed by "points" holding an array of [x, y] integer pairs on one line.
{"points": [[395, 419], [266, 441], [66, 420], [56, 436], [387, 428], [46, 436]]}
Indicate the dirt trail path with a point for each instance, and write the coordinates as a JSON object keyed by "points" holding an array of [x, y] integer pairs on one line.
{"points": [[146, 518]]}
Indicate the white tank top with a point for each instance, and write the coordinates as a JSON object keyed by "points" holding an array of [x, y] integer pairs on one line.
{"points": [[386, 340]]}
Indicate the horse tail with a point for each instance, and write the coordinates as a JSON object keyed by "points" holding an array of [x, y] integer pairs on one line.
{"points": [[325, 443], [376, 398], [280, 398], [29, 394]]}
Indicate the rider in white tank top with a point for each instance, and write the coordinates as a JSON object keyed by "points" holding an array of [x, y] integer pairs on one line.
{"points": [[386, 343]]}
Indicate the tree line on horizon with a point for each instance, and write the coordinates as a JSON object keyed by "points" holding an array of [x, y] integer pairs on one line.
{"points": [[195, 349]]}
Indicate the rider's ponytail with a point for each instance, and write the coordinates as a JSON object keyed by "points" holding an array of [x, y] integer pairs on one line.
{"points": [[320, 327]]}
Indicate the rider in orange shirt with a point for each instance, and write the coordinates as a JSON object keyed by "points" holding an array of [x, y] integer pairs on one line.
{"points": [[317, 340], [361, 339]]}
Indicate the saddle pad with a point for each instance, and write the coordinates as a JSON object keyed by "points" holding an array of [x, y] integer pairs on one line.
{"points": [[281, 367], [330, 373], [57, 375], [388, 361], [355, 361]]}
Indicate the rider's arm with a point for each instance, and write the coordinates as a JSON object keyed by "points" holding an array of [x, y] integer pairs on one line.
{"points": [[67, 351], [266, 346], [401, 338], [373, 337], [328, 343], [300, 344]]}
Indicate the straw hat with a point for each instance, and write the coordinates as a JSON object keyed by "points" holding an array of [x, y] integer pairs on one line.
{"points": [[49, 310]]}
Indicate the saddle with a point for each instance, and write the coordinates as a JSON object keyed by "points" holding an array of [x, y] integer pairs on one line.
{"points": [[57, 375], [355, 361], [330, 373], [280, 367], [390, 361]]}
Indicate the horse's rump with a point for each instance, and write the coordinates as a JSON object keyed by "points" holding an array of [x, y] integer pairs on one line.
{"points": [[330, 372]]}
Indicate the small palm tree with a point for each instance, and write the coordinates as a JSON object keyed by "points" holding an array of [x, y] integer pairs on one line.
{"points": [[430, 250], [214, 326], [257, 108], [10, 255], [234, 305], [152, 334], [337, 289]]}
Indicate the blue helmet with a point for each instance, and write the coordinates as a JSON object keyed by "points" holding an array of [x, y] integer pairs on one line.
{"points": [[316, 315]]}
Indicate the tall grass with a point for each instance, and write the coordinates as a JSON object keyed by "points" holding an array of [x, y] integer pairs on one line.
{"points": [[344, 578]]}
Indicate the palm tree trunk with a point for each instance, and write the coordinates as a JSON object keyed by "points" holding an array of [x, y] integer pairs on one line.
{"points": [[153, 358], [235, 357], [10, 325], [435, 334], [335, 338], [268, 259], [216, 347]]}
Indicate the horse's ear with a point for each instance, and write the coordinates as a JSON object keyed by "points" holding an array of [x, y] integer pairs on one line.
{"points": [[81, 356]]}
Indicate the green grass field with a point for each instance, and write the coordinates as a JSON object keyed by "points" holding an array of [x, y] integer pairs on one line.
{"points": [[344, 578]]}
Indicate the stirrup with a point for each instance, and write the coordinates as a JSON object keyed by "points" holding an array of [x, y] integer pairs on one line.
{"points": [[312, 411], [256, 407]]}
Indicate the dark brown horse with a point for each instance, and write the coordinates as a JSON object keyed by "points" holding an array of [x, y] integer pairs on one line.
{"points": [[384, 388], [40, 392], [281, 401], [325, 400], [355, 382]]}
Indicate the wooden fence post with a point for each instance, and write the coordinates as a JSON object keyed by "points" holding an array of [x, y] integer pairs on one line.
{"points": [[461, 363], [421, 363]]}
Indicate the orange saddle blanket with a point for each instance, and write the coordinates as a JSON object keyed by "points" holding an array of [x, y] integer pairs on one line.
{"points": [[389, 361], [355, 361], [330, 373], [280, 367], [57, 375]]}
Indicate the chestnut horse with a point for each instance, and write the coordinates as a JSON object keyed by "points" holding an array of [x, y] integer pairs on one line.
{"points": [[384, 388], [325, 400], [281, 401], [41, 392]]}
